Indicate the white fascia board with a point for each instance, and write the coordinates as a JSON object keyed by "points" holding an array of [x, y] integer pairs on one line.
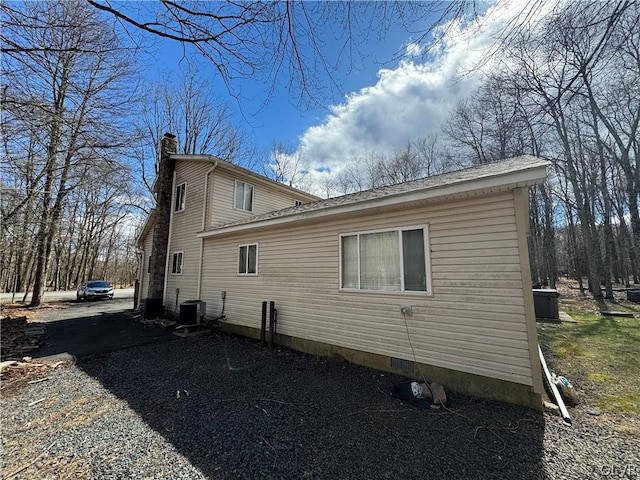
{"points": [[484, 185], [195, 158]]}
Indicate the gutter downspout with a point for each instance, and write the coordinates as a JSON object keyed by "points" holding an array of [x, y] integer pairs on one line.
{"points": [[204, 224], [167, 259]]}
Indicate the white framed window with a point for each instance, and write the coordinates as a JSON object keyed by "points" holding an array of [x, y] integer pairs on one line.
{"points": [[176, 263], [297, 203], [243, 197], [248, 259], [181, 198], [393, 260]]}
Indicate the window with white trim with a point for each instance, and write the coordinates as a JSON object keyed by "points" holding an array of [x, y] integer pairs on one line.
{"points": [[243, 197], [248, 259], [181, 197], [297, 203], [176, 263], [390, 260]]}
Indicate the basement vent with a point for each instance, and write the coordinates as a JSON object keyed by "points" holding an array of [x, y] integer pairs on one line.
{"points": [[284, 340], [401, 364]]}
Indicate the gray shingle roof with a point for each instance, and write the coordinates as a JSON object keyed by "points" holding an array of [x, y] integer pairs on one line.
{"points": [[496, 169]]}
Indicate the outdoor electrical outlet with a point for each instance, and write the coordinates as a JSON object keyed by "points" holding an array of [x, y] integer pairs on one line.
{"points": [[405, 310]]}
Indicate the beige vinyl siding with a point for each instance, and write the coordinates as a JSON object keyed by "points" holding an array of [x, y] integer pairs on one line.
{"points": [[184, 226], [473, 321], [266, 198], [187, 223], [144, 267]]}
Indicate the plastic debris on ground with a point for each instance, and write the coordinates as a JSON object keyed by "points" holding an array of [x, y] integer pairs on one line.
{"points": [[420, 394]]}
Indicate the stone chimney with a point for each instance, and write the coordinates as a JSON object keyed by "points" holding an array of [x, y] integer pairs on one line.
{"points": [[163, 191]]}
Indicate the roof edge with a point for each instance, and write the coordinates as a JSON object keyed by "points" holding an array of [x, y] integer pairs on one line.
{"points": [[526, 176], [244, 171]]}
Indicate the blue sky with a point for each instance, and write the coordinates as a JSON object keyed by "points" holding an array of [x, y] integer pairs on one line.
{"points": [[276, 116], [379, 106]]}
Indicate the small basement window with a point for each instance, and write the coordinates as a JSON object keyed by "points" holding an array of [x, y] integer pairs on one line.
{"points": [[248, 259], [243, 196], [388, 260]]}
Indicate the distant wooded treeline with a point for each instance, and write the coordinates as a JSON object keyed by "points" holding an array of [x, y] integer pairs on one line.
{"points": [[74, 165]]}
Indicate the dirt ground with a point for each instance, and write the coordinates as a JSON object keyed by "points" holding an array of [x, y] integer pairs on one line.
{"points": [[572, 299]]}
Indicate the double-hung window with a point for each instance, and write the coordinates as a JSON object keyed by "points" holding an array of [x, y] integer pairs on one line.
{"points": [[390, 260], [181, 197], [176, 263], [243, 198], [248, 259]]}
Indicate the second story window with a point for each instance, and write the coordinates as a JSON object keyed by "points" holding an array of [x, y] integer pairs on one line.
{"points": [[243, 196], [176, 264], [181, 196], [297, 203]]}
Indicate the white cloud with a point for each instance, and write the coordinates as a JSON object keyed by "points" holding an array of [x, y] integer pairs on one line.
{"points": [[407, 102], [413, 49]]}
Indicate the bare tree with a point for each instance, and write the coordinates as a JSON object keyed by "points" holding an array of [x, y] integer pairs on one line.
{"points": [[285, 164], [71, 97], [189, 108], [272, 39], [567, 91], [418, 159], [432, 155], [573, 75], [491, 123]]}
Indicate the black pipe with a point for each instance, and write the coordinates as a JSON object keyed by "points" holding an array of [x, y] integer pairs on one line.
{"points": [[263, 328], [272, 323]]}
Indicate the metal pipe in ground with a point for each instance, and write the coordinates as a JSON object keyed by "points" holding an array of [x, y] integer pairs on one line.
{"points": [[263, 326], [272, 323]]}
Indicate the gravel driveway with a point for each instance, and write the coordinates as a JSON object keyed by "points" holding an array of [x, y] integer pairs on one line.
{"points": [[222, 407]]}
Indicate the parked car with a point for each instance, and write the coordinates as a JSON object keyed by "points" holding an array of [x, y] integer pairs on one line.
{"points": [[94, 289]]}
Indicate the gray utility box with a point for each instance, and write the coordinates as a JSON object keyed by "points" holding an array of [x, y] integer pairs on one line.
{"points": [[192, 312], [545, 302]]}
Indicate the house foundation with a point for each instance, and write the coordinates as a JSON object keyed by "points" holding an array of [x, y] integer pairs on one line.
{"points": [[454, 380]]}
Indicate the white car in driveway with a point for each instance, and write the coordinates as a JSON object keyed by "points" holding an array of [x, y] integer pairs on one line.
{"points": [[94, 289]]}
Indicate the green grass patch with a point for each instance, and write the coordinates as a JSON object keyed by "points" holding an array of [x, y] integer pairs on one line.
{"points": [[600, 356]]}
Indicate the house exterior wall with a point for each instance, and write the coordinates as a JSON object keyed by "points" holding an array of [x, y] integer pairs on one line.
{"points": [[265, 198], [217, 185], [476, 319], [184, 226], [144, 266]]}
